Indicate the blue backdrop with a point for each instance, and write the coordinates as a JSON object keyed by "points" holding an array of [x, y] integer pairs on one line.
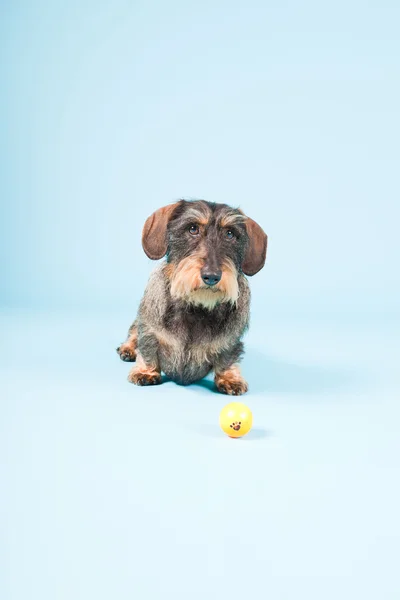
{"points": [[112, 109], [109, 110]]}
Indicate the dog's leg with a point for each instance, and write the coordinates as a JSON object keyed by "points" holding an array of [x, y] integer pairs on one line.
{"points": [[147, 369], [228, 377], [230, 381], [127, 350]]}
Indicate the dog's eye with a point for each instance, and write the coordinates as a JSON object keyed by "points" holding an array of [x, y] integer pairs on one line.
{"points": [[194, 229], [229, 234]]}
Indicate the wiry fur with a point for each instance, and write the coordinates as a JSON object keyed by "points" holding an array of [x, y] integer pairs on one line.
{"points": [[185, 328], [186, 283]]}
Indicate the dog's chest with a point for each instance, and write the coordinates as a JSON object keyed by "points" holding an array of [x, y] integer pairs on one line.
{"points": [[195, 337], [192, 339], [195, 325]]}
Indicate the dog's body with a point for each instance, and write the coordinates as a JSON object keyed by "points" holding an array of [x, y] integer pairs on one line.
{"points": [[195, 308]]}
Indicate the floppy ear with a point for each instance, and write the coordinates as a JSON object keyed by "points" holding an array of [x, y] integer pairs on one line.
{"points": [[254, 259], [154, 234]]}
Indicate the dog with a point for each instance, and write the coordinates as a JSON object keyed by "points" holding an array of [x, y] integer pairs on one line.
{"points": [[195, 309]]}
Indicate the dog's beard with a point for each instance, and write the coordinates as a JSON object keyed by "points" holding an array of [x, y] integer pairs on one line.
{"points": [[187, 284]]}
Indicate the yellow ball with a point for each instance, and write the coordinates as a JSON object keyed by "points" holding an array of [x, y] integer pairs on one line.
{"points": [[236, 419]]}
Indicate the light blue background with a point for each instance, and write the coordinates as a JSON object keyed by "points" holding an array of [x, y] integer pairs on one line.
{"points": [[108, 111]]}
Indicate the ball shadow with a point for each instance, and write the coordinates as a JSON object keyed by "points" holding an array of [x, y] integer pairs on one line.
{"points": [[255, 434], [213, 431]]}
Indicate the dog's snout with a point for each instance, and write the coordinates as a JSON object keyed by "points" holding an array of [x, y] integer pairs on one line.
{"points": [[211, 277]]}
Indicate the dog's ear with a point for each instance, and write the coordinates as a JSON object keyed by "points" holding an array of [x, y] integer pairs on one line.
{"points": [[256, 252], [154, 234]]}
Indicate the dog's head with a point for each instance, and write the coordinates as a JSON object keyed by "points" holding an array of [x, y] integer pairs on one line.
{"points": [[207, 246]]}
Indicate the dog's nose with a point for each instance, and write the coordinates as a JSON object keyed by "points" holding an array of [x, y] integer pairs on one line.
{"points": [[211, 278]]}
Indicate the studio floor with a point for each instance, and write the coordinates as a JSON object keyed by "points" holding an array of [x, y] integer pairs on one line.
{"points": [[111, 491]]}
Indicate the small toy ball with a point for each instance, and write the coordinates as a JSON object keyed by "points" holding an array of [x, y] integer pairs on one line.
{"points": [[236, 419]]}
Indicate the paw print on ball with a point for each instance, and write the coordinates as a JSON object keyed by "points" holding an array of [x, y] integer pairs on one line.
{"points": [[236, 425]]}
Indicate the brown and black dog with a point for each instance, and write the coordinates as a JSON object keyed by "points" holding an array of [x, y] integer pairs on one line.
{"points": [[195, 308]]}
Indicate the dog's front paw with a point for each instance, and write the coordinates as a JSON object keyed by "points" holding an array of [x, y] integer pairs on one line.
{"points": [[144, 377], [127, 352], [231, 386]]}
